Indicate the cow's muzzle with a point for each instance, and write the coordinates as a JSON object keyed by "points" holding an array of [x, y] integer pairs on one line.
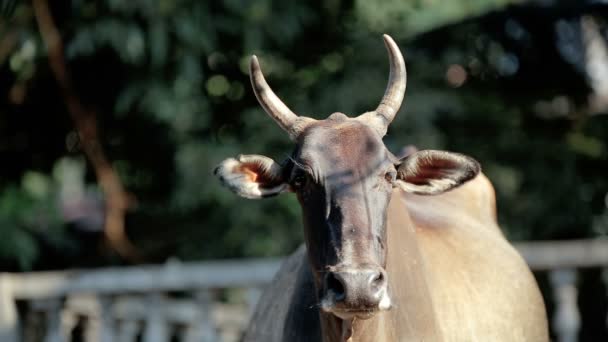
{"points": [[355, 292]]}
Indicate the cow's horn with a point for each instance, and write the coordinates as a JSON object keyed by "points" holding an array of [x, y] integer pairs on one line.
{"points": [[393, 96], [271, 103]]}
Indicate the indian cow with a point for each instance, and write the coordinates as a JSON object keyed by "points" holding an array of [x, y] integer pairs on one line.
{"points": [[395, 250]]}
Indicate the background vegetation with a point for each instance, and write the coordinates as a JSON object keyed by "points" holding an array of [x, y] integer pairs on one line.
{"points": [[164, 87], [113, 114]]}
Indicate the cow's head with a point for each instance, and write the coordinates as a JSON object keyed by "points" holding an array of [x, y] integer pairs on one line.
{"points": [[343, 175]]}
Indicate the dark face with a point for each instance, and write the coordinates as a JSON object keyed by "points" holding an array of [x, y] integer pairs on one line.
{"points": [[343, 174]]}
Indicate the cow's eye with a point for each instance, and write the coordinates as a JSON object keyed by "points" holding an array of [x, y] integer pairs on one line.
{"points": [[299, 180], [390, 176]]}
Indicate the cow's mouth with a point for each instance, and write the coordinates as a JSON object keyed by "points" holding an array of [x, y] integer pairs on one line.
{"points": [[348, 314], [329, 305]]}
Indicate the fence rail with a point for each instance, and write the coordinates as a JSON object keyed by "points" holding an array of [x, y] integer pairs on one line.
{"points": [[548, 255], [172, 276], [119, 304]]}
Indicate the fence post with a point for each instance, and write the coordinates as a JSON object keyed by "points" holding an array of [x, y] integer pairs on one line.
{"points": [[253, 296], [52, 312], [127, 331], [104, 317], [204, 329], [605, 279], [566, 319], [8, 310], [155, 329]]}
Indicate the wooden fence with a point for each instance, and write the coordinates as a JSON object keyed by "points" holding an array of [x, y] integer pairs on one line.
{"points": [[178, 301]]}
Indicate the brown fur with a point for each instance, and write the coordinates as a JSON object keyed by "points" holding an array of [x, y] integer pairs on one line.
{"points": [[453, 277]]}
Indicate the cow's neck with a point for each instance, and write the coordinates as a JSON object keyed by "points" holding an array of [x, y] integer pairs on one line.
{"points": [[412, 316]]}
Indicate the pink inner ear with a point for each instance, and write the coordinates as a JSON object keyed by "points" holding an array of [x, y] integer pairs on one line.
{"points": [[256, 171], [440, 170], [431, 168], [251, 175]]}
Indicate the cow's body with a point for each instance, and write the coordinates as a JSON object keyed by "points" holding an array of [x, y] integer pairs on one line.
{"points": [[396, 249], [454, 278]]}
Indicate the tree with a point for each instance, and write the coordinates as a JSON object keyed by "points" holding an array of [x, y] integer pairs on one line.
{"points": [[168, 83]]}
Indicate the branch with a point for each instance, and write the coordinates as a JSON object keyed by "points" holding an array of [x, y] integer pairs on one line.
{"points": [[117, 200]]}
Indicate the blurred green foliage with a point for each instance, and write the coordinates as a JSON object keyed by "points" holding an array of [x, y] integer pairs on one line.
{"points": [[170, 79], [419, 16]]}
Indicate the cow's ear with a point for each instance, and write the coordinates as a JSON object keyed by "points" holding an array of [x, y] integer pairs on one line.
{"points": [[252, 176], [432, 172]]}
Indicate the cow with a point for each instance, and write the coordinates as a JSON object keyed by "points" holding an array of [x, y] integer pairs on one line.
{"points": [[395, 249]]}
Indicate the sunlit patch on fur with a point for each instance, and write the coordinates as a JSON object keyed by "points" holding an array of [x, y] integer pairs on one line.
{"points": [[385, 301], [328, 302], [434, 186]]}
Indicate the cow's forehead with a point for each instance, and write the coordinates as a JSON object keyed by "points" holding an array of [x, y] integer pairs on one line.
{"points": [[342, 144]]}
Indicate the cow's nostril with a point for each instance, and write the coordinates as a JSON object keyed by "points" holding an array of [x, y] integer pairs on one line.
{"points": [[335, 285], [378, 279]]}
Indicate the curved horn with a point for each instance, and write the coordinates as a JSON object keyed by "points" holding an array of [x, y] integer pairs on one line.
{"points": [[271, 103], [395, 90]]}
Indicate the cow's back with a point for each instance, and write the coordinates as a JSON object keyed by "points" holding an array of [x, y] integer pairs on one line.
{"points": [[481, 287], [287, 310]]}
